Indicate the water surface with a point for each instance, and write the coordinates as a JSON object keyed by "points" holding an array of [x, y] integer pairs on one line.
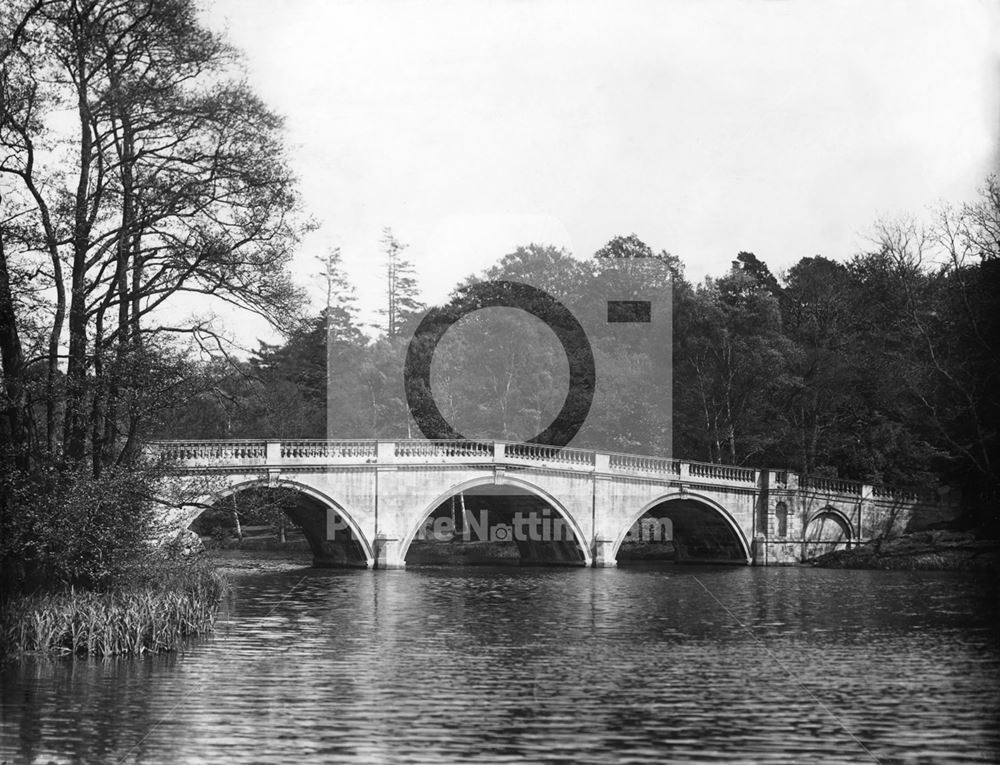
{"points": [[683, 664]]}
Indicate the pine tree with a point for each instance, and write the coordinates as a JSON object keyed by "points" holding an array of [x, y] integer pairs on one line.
{"points": [[401, 285], [341, 302]]}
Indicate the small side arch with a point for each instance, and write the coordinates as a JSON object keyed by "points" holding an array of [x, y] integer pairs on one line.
{"points": [[708, 502], [330, 504], [839, 518], [508, 481]]}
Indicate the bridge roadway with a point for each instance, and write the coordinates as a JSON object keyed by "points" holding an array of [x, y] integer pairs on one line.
{"points": [[364, 501]]}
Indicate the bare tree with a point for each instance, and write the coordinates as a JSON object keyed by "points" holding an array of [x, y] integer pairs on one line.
{"points": [[176, 183]]}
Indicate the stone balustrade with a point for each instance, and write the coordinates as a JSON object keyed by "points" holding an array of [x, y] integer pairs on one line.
{"points": [[209, 455]]}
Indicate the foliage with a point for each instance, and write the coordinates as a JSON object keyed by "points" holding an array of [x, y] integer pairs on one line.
{"points": [[155, 613], [67, 527], [136, 168], [258, 506]]}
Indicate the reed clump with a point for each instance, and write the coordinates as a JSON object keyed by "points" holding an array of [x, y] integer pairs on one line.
{"points": [[154, 613]]}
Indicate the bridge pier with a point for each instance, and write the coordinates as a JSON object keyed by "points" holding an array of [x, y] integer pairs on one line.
{"points": [[604, 554], [389, 553]]}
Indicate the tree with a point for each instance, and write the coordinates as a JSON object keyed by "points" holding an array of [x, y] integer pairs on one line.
{"points": [[176, 184], [822, 403], [630, 246], [760, 277], [730, 360], [341, 303], [401, 285], [943, 284]]}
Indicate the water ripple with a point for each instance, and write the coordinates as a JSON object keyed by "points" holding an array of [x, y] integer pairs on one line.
{"points": [[575, 666]]}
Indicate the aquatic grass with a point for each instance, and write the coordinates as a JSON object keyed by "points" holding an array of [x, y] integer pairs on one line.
{"points": [[156, 613]]}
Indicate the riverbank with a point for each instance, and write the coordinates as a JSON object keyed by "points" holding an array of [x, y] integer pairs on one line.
{"points": [[234, 560], [156, 612], [921, 551]]}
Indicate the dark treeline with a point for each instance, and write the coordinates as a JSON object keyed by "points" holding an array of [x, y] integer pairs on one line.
{"points": [[882, 369]]}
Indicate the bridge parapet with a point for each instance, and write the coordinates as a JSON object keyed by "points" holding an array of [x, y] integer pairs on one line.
{"points": [[902, 494], [638, 463], [442, 451], [549, 456], [723, 473], [239, 453], [228, 454], [308, 452], [831, 485], [867, 492]]}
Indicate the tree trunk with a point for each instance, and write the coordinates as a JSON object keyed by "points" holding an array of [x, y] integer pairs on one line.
{"points": [[75, 423], [14, 422], [236, 521]]}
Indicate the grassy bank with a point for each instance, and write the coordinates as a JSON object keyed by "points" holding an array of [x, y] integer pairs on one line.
{"points": [[161, 608], [921, 551]]}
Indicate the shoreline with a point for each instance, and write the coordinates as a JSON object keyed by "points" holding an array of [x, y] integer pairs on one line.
{"points": [[920, 551]]}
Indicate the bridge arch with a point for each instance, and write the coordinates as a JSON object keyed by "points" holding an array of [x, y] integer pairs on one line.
{"points": [[326, 501], [838, 517], [508, 482], [707, 502], [822, 541]]}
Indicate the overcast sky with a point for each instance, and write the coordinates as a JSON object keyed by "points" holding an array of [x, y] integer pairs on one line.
{"points": [[472, 126]]}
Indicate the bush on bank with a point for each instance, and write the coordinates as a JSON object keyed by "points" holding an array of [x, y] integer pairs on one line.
{"points": [[80, 571], [164, 605], [63, 526]]}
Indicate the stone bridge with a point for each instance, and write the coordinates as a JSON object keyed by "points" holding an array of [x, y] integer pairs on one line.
{"points": [[363, 502]]}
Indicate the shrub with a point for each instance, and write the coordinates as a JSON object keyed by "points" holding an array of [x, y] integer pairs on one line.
{"points": [[66, 527], [159, 608]]}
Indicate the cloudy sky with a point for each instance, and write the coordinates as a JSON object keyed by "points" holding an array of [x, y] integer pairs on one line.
{"points": [[472, 126]]}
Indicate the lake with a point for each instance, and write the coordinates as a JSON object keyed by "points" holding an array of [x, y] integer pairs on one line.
{"points": [[504, 664]]}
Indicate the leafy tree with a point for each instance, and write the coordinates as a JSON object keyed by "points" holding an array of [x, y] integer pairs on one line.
{"points": [[176, 184], [630, 246], [760, 275], [730, 360], [822, 398], [135, 167], [938, 296]]}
